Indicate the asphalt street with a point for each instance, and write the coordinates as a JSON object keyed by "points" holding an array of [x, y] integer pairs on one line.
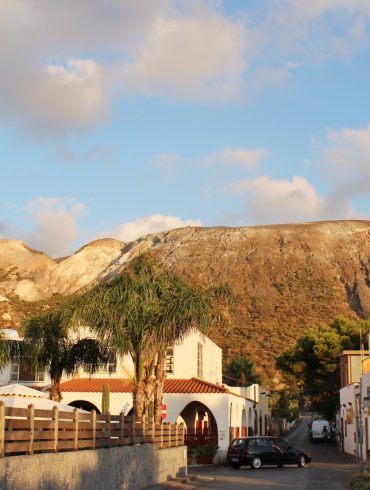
{"points": [[330, 469]]}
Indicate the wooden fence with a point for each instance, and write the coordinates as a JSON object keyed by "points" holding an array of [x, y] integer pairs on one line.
{"points": [[30, 430]]}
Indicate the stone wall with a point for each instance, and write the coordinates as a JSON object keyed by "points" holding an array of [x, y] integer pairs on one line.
{"points": [[124, 468]]}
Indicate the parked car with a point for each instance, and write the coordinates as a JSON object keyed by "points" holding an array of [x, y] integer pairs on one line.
{"points": [[258, 451]]}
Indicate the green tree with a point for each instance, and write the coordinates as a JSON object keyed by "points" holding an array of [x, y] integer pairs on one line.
{"points": [[141, 313], [314, 360], [241, 372], [50, 344], [8, 349]]}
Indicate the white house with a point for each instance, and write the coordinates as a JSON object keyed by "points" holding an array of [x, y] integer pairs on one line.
{"points": [[353, 415], [364, 407], [193, 391]]}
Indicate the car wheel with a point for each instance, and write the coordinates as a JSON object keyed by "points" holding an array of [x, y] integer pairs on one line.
{"points": [[301, 461], [256, 463], [236, 466], [280, 465]]}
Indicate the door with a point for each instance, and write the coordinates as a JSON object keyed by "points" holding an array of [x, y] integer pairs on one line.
{"points": [[283, 452]]}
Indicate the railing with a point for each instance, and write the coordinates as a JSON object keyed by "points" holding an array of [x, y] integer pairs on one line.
{"points": [[30, 430], [195, 438], [366, 365]]}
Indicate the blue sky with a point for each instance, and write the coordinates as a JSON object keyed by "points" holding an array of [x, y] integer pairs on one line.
{"points": [[126, 117]]}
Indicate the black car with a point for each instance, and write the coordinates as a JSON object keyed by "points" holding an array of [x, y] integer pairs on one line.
{"points": [[258, 451]]}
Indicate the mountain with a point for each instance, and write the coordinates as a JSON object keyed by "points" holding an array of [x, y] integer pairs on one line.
{"points": [[287, 277]]}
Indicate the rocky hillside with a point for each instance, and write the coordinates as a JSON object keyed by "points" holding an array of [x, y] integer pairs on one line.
{"points": [[287, 277]]}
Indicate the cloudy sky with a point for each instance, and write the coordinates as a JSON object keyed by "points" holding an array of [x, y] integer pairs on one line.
{"points": [[123, 117]]}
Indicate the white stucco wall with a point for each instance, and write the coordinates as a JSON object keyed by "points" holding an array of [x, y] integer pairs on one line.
{"points": [[347, 398], [365, 390], [118, 401], [186, 356]]}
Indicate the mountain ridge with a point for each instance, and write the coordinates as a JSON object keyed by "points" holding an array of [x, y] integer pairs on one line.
{"points": [[286, 277]]}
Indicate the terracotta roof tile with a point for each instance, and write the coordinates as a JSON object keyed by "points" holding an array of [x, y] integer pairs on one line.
{"points": [[118, 385]]}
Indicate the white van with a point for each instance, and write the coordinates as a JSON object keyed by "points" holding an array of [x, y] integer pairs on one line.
{"points": [[318, 433]]}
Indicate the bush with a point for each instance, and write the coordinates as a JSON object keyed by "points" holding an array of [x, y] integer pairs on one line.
{"points": [[360, 481], [207, 450]]}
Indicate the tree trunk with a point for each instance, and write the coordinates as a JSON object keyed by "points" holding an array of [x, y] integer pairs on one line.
{"points": [[160, 377], [54, 390], [138, 392]]}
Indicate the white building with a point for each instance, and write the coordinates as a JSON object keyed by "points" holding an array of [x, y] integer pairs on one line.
{"points": [[365, 408], [353, 414], [193, 391]]}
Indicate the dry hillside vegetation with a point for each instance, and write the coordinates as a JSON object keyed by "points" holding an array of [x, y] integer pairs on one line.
{"points": [[286, 277]]}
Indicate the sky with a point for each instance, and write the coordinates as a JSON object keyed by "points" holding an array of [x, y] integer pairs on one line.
{"points": [[120, 118]]}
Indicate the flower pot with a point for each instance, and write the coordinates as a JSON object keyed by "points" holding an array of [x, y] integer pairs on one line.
{"points": [[204, 459]]}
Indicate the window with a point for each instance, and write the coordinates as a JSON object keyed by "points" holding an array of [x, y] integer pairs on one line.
{"points": [[280, 444], [265, 443], [200, 361], [109, 368], [169, 361], [21, 371]]}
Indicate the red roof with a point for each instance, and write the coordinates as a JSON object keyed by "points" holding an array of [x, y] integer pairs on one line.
{"points": [[193, 385]]}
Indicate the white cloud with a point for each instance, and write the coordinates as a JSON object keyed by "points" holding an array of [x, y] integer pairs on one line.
{"points": [[278, 201], [54, 224], [62, 63], [130, 231], [190, 56], [237, 157], [347, 157], [319, 29]]}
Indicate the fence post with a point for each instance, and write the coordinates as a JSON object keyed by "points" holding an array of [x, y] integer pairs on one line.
{"points": [[143, 428], [133, 429], [55, 419], [108, 429], [31, 426], [153, 430], [122, 429], [93, 423], [75, 429], [176, 435], [169, 436], [2, 429]]}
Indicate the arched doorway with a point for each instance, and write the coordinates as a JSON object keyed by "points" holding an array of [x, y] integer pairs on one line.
{"points": [[200, 425], [84, 405]]}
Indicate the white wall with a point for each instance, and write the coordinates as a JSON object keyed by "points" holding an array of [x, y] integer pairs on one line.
{"points": [[365, 390], [186, 355], [218, 403], [118, 401], [347, 398]]}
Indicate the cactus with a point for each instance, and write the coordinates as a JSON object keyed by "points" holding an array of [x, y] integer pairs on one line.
{"points": [[105, 399]]}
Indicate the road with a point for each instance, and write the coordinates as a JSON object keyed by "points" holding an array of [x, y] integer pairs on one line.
{"points": [[330, 469]]}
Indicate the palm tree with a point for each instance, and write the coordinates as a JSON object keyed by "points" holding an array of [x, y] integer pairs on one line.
{"points": [[241, 372], [185, 309], [48, 344], [141, 313], [8, 349]]}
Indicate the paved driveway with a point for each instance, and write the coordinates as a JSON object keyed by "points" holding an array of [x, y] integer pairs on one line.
{"points": [[330, 470]]}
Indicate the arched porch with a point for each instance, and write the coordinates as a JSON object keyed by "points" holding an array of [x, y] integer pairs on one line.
{"points": [[200, 424], [84, 405]]}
